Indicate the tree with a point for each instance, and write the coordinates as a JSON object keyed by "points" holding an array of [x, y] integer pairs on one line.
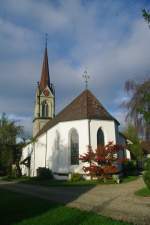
{"points": [[146, 175], [134, 145], [103, 162], [10, 150], [138, 105], [146, 15]]}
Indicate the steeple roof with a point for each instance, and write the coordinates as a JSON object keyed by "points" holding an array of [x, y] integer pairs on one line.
{"points": [[45, 78], [85, 106]]}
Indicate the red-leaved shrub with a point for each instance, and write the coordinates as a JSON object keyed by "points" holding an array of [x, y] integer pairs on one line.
{"points": [[102, 162]]}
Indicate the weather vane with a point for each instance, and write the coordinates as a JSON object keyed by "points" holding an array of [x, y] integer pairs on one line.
{"points": [[86, 77]]}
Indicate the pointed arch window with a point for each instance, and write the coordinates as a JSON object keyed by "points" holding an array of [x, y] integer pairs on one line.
{"points": [[44, 109], [100, 137], [74, 147]]}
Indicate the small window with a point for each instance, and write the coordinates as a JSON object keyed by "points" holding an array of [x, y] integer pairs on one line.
{"points": [[44, 109], [100, 137], [74, 147]]}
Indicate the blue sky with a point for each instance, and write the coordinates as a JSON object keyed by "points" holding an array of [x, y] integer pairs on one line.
{"points": [[109, 38]]}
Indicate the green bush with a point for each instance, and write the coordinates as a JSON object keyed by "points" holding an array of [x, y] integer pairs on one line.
{"points": [[146, 175], [75, 177], [44, 173], [146, 178], [147, 164], [130, 167], [14, 172]]}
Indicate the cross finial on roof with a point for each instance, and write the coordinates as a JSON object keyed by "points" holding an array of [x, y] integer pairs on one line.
{"points": [[86, 77], [46, 38]]}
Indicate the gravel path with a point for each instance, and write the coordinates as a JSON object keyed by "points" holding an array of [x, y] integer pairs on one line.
{"points": [[116, 201]]}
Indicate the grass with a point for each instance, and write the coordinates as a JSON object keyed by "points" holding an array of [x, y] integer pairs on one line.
{"points": [[58, 183], [129, 179], [20, 209], [145, 192]]}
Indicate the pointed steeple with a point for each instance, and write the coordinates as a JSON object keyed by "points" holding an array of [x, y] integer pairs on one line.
{"points": [[45, 78]]}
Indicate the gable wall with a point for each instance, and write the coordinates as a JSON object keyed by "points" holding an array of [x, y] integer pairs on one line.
{"points": [[108, 128]]}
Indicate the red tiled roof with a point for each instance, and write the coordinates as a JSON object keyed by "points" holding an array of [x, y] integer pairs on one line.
{"points": [[85, 106]]}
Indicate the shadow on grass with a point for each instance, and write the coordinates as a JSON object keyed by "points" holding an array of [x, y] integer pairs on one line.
{"points": [[24, 209], [15, 207], [21, 209]]}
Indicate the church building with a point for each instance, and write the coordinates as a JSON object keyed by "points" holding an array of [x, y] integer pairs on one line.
{"points": [[59, 140]]}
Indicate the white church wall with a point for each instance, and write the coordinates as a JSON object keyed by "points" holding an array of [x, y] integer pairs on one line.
{"points": [[27, 151], [58, 149], [108, 128], [52, 148], [128, 154], [39, 150]]}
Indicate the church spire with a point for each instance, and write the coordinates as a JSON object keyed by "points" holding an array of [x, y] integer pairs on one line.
{"points": [[45, 97], [45, 78]]}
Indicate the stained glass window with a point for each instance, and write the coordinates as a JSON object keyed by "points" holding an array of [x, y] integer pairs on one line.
{"points": [[74, 146], [100, 137]]}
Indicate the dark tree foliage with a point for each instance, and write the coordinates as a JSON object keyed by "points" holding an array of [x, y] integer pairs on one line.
{"points": [[146, 15], [146, 175], [138, 106], [134, 145], [10, 150]]}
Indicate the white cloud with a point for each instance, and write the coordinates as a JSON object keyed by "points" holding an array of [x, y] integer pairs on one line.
{"points": [[108, 41], [15, 39], [41, 14]]}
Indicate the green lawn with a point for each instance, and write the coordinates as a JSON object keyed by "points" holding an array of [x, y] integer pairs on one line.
{"points": [[60, 183], [57, 183], [19, 209], [145, 192], [129, 178]]}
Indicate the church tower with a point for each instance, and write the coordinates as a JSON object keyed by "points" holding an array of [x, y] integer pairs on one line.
{"points": [[44, 98]]}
